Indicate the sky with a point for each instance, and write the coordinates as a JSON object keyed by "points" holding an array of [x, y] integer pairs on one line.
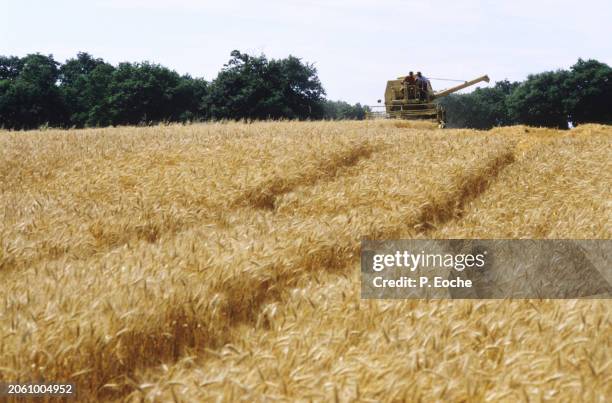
{"points": [[356, 45]]}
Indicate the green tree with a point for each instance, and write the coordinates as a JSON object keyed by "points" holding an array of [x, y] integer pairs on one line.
{"points": [[10, 67], [29, 96], [457, 107], [86, 91], [483, 108], [251, 87], [590, 92], [85, 85], [541, 100], [340, 110], [189, 99], [145, 92]]}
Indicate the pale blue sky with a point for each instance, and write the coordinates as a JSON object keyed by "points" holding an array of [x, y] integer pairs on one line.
{"points": [[356, 45]]}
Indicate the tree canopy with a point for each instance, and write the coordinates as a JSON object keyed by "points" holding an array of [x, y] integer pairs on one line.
{"points": [[36, 90], [590, 84], [582, 94], [86, 91], [340, 110], [29, 95], [254, 87]]}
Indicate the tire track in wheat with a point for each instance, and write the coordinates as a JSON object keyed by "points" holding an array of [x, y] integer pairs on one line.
{"points": [[200, 303], [447, 210], [246, 287], [108, 234], [451, 206], [263, 195]]}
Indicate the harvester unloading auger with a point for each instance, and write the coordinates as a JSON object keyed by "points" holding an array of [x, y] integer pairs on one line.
{"points": [[406, 101]]}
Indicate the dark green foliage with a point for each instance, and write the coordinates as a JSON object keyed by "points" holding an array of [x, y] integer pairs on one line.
{"points": [[541, 100], [590, 99], [86, 91], [10, 67], [189, 98], [582, 94], [29, 95], [482, 109], [145, 92], [99, 94], [335, 110], [253, 87], [85, 85]]}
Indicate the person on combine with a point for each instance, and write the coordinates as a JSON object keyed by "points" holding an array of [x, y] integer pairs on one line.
{"points": [[422, 85], [410, 79]]}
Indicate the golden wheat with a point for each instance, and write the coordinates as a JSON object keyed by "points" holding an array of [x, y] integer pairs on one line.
{"points": [[228, 252]]}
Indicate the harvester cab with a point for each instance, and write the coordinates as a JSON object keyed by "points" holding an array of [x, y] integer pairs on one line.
{"points": [[415, 101]]}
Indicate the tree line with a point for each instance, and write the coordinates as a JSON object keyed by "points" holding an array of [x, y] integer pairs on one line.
{"points": [[85, 91], [582, 94]]}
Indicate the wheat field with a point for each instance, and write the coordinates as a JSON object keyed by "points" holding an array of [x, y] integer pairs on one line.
{"points": [[220, 261]]}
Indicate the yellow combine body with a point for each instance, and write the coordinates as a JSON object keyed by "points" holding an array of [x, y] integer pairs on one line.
{"points": [[406, 101]]}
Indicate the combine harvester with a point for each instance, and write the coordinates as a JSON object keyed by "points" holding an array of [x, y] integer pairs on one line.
{"points": [[404, 101]]}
